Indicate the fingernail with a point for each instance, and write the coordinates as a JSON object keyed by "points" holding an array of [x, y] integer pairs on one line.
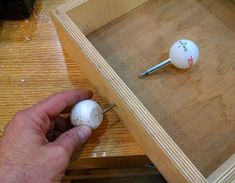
{"points": [[84, 132]]}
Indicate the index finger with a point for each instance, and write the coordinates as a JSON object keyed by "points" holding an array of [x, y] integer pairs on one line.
{"points": [[55, 104]]}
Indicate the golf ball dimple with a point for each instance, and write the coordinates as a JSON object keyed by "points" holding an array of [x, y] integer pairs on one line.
{"points": [[87, 112], [184, 53]]}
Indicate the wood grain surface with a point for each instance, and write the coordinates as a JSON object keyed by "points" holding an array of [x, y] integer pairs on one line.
{"points": [[33, 66], [97, 16], [196, 107]]}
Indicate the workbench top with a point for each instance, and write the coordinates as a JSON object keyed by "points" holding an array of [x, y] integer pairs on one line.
{"points": [[33, 66]]}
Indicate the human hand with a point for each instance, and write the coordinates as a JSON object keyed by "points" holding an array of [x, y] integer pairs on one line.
{"points": [[37, 142]]}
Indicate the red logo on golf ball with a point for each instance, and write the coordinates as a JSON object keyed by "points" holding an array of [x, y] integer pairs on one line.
{"points": [[190, 61]]}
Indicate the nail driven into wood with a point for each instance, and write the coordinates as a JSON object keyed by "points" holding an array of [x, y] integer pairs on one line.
{"points": [[183, 54], [108, 108]]}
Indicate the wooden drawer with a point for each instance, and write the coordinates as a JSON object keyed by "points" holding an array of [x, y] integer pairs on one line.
{"points": [[183, 120]]}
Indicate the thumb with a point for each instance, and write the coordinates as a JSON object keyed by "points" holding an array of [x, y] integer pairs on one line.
{"points": [[73, 137]]}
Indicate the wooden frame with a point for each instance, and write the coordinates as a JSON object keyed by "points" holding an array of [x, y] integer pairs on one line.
{"points": [[157, 144]]}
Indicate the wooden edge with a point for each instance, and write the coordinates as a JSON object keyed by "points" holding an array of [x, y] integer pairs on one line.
{"points": [[225, 173], [69, 5], [103, 11], [166, 155]]}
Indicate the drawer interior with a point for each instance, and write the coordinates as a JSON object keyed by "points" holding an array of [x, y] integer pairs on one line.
{"points": [[196, 107]]}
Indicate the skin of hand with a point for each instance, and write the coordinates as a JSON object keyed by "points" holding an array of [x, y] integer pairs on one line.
{"points": [[38, 143]]}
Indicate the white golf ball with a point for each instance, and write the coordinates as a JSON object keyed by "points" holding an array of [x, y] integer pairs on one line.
{"points": [[87, 112], [184, 53]]}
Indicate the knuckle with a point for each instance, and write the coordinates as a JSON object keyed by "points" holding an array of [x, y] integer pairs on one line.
{"points": [[41, 116], [41, 119], [58, 95], [19, 114], [19, 117]]}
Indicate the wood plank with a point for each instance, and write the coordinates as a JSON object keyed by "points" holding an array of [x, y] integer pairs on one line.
{"points": [[91, 15], [33, 66]]}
